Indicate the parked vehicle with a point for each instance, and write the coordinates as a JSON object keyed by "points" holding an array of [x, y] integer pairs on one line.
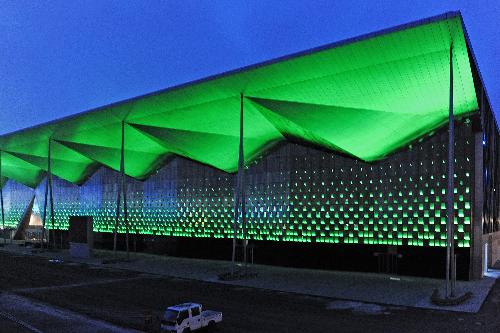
{"points": [[187, 317]]}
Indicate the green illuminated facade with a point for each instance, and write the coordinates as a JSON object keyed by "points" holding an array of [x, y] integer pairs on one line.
{"points": [[343, 144], [295, 194]]}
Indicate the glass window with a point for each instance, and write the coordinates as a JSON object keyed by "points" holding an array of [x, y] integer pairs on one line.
{"points": [[183, 315], [195, 311]]}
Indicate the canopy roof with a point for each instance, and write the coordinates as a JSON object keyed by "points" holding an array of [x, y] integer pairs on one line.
{"points": [[364, 97]]}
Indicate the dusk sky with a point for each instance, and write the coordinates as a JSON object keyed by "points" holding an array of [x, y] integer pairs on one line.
{"points": [[62, 57]]}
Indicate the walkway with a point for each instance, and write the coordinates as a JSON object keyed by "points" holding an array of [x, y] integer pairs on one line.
{"points": [[352, 286]]}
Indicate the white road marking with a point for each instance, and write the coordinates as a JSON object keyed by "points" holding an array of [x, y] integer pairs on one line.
{"points": [[74, 285], [20, 322], [58, 317]]}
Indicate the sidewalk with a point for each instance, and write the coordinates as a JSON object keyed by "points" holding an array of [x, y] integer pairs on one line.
{"points": [[352, 286]]}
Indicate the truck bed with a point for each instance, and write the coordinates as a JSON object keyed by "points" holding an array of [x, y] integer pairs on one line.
{"points": [[211, 315]]}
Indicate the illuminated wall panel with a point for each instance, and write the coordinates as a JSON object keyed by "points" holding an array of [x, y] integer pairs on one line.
{"points": [[160, 205], [397, 201], [295, 193], [268, 196], [204, 201], [16, 198]]}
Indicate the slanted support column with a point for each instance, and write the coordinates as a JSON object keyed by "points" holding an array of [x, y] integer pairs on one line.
{"points": [[122, 190], [51, 196], [239, 196], [1, 200], [450, 246], [44, 219], [48, 189]]}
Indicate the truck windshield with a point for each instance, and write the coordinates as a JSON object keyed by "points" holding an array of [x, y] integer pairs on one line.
{"points": [[170, 316]]}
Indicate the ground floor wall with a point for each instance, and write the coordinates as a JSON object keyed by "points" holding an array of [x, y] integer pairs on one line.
{"points": [[400, 260]]}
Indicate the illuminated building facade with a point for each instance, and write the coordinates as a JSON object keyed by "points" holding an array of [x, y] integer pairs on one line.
{"points": [[345, 145]]}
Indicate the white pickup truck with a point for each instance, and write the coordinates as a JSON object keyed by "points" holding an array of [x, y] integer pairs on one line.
{"points": [[187, 317]]}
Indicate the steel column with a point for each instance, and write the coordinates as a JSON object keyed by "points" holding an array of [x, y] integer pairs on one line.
{"points": [[450, 246], [241, 175], [235, 224], [44, 219], [51, 196], [121, 189], [239, 196], [1, 200], [124, 188], [118, 193]]}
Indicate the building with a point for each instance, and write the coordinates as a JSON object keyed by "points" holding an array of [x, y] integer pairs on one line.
{"points": [[345, 149]]}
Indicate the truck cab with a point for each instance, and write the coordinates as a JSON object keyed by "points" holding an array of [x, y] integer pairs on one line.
{"points": [[188, 317]]}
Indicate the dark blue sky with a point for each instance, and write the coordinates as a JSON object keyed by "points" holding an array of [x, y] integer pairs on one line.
{"points": [[62, 57]]}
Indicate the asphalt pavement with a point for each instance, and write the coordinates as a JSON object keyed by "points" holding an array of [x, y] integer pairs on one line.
{"points": [[120, 300]]}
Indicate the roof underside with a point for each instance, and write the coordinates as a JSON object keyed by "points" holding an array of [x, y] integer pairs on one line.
{"points": [[366, 98]]}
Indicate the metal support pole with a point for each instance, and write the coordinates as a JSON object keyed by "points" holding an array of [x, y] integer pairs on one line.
{"points": [[239, 195], [124, 188], [44, 219], [1, 200], [118, 193], [235, 224], [451, 203], [125, 217], [241, 172], [450, 248], [52, 217]]}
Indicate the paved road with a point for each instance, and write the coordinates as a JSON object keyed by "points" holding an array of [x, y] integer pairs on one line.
{"points": [[123, 298], [9, 325], [29, 274], [37, 317]]}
